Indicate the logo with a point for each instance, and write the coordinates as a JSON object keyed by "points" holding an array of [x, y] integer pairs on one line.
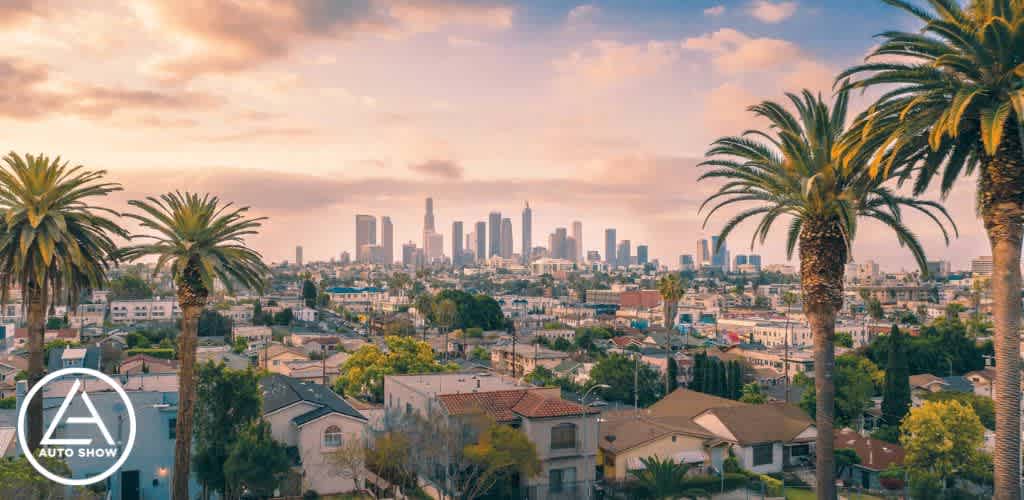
{"points": [[77, 448]]}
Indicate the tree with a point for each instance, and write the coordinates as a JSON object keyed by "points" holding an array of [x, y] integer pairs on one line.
{"points": [[954, 104], [618, 371], [793, 171], [943, 439], [896, 396], [941, 348], [213, 324], [19, 479], [129, 287], [363, 373], [856, 378], [660, 478], [349, 460], [844, 339], [671, 289], [7, 403], [226, 401], [284, 317], [309, 293], [480, 354], [445, 312], [56, 244], [752, 394], [673, 375], [201, 240], [256, 462], [479, 310], [846, 458], [983, 406], [874, 308], [499, 452]]}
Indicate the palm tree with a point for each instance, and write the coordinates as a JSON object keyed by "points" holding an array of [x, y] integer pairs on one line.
{"points": [[54, 244], [671, 289], [201, 240], [791, 172], [445, 311], [954, 103], [660, 478]]}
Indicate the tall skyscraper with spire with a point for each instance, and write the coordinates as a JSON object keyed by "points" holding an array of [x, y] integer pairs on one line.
{"points": [[577, 235], [527, 233], [428, 222], [387, 240]]}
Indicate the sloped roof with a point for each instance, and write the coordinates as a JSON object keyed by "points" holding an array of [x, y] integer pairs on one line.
{"points": [[874, 454], [771, 422], [924, 380], [688, 404], [510, 405], [280, 391]]}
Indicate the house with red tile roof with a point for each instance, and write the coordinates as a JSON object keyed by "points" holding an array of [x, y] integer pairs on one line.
{"points": [[875, 456]]}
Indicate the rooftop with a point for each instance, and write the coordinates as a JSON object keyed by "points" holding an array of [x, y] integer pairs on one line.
{"points": [[510, 405], [434, 384], [280, 391]]}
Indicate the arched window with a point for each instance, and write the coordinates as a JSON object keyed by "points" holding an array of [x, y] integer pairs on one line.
{"points": [[332, 437], [563, 436]]}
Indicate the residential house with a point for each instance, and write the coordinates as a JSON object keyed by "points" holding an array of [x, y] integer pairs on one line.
{"points": [[66, 334], [314, 421], [10, 366], [143, 363], [73, 357], [240, 313], [275, 356], [875, 456], [306, 314], [310, 371], [222, 354], [526, 358], [253, 335]]}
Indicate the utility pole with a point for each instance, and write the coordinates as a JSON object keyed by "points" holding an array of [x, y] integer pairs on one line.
{"points": [[323, 362]]}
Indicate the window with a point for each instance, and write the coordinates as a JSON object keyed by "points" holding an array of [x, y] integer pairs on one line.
{"points": [[563, 436], [558, 479], [172, 428], [800, 450], [332, 437], [763, 454]]}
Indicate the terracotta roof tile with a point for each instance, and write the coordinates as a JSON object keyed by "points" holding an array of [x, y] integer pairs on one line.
{"points": [[509, 405]]}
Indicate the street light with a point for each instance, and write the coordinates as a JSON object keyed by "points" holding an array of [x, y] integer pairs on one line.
{"points": [[583, 415]]}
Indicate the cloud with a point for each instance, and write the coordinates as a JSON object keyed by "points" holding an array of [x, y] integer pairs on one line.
{"points": [[734, 52], [228, 36], [459, 42], [13, 12], [581, 13], [444, 169], [31, 93], [714, 11], [771, 12], [604, 64]]}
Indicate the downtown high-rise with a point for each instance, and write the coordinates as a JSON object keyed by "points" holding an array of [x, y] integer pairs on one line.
{"points": [[494, 239], [527, 243], [609, 247], [366, 237], [298, 255], [577, 236], [387, 241], [507, 248], [457, 244], [481, 241]]}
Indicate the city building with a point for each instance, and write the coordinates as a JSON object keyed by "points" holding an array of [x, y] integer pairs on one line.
{"points": [[577, 236], [387, 241], [526, 358], [366, 235], [686, 262], [939, 268], [494, 240], [527, 240], [609, 247], [457, 244], [624, 254], [593, 256], [703, 256], [153, 309], [298, 255], [641, 254], [435, 247], [982, 266], [507, 248], [428, 224]]}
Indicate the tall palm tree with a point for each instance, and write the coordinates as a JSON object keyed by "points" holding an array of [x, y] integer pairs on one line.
{"points": [[954, 104], [446, 311], [201, 240], [671, 289], [790, 171], [53, 245]]}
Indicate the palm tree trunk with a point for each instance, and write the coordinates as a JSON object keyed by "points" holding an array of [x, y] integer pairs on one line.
{"points": [[36, 342], [1001, 188], [822, 260], [186, 395]]}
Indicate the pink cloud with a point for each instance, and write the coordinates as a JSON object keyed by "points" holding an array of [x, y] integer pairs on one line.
{"points": [[605, 64], [734, 52], [772, 12]]}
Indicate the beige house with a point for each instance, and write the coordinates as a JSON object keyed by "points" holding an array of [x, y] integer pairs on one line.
{"points": [[317, 422], [526, 358], [274, 357]]}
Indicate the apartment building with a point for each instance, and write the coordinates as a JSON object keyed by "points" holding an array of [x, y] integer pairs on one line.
{"points": [[526, 358], [134, 311]]}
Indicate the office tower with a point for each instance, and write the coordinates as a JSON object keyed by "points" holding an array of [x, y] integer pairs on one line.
{"points": [[624, 254], [569, 248], [366, 234], [609, 247], [577, 235], [345, 258], [481, 241], [507, 249], [703, 256], [467, 250], [739, 260], [686, 262], [593, 256], [387, 241], [719, 255], [428, 217], [754, 260], [298, 255], [641, 254], [435, 247], [527, 243], [556, 243], [494, 223], [409, 254], [456, 243]]}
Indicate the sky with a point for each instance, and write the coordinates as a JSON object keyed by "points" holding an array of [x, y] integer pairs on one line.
{"points": [[311, 111]]}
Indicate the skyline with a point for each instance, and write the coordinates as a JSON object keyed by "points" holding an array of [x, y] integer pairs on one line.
{"points": [[310, 114]]}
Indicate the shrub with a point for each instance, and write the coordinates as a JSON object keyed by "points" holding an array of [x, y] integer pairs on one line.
{"points": [[155, 352], [772, 486], [714, 483]]}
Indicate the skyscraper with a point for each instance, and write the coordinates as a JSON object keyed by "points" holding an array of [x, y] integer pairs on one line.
{"points": [[527, 243], [298, 255], [624, 253], [740, 260], [556, 244], [507, 248], [577, 235], [686, 262], [428, 225], [435, 247], [609, 247], [641, 254], [494, 223], [481, 241], [754, 260], [703, 256], [457, 244], [387, 241], [366, 234], [719, 256], [409, 254]]}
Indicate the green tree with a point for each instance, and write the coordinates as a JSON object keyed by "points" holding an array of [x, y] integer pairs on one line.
{"points": [[659, 478], [752, 394], [309, 293], [56, 244], [256, 463], [673, 374], [896, 395], [942, 438], [201, 240], [480, 354], [213, 324], [983, 406], [793, 171], [617, 371], [856, 379], [954, 105], [942, 348], [846, 458], [284, 317], [363, 373], [844, 339], [7, 403], [671, 289], [19, 479], [500, 452], [226, 402], [129, 287]]}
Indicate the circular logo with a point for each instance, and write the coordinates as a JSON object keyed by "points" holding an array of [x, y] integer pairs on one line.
{"points": [[63, 446]]}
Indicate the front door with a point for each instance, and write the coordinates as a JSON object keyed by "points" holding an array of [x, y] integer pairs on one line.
{"points": [[130, 485]]}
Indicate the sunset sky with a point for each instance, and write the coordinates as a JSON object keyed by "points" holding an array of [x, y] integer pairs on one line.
{"points": [[312, 111]]}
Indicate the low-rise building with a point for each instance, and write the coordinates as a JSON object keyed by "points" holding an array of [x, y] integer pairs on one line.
{"points": [[134, 311], [526, 358], [142, 363]]}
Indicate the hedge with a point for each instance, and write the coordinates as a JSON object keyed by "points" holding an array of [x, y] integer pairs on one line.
{"points": [[712, 483], [155, 352]]}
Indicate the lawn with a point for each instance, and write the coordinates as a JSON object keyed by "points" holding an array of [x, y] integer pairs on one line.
{"points": [[806, 494]]}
